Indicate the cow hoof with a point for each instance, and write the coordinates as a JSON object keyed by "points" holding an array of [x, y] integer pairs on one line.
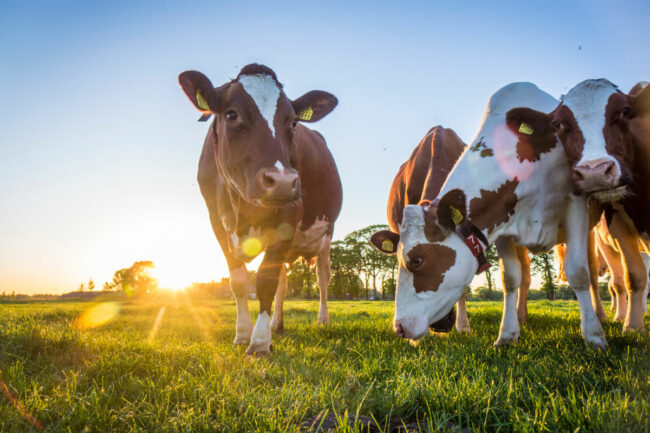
{"points": [[464, 330], [597, 342], [523, 319], [630, 330], [277, 328], [324, 321], [241, 341], [504, 341], [260, 350]]}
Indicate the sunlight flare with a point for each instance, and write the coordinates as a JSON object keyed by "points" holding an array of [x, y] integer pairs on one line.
{"points": [[97, 315], [157, 323]]}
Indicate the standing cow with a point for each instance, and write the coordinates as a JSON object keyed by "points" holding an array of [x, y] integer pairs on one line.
{"points": [[509, 187], [270, 184], [606, 135]]}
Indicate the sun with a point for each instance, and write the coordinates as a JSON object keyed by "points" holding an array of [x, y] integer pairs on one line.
{"points": [[170, 279]]}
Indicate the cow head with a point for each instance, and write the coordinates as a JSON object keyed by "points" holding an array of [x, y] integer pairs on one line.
{"points": [[435, 265], [254, 127], [592, 123]]}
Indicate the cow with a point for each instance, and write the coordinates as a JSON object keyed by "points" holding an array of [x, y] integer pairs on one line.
{"points": [[422, 176], [606, 136], [270, 184], [509, 187]]}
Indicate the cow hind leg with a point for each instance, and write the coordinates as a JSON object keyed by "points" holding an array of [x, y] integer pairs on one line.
{"points": [[462, 321], [522, 299], [593, 275], [240, 285], [277, 322], [323, 272], [511, 278]]}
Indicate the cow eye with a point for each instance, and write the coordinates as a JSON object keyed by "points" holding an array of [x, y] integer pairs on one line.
{"points": [[416, 262], [231, 115], [556, 124], [626, 113]]}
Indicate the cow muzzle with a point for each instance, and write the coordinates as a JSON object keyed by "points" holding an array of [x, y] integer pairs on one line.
{"points": [[596, 176], [274, 188]]}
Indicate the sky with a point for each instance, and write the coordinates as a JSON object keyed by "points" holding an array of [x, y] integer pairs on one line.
{"points": [[99, 146]]}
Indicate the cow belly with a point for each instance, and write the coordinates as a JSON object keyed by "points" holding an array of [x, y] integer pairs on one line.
{"points": [[310, 242]]}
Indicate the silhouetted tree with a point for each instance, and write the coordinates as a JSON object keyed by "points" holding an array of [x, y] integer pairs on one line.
{"points": [[543, 265]]}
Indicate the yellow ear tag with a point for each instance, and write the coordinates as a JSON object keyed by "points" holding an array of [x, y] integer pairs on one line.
{"points": [[201, 102], [525, 128], [456, 216], [306, 114], [387, 246]]}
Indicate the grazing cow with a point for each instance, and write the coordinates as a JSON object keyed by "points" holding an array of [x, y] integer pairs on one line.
{"points": [[509, 187], [270, 184], [606, 136], [421, 178]]}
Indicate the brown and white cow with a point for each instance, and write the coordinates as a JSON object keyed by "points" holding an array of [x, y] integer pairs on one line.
{"points": [[606, 135], [509, 187], [270, 184]]}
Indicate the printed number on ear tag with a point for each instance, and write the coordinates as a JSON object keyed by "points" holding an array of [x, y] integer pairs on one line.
{"points": [[525, 128], [306, 114], [201, 102], [456, 216], [387, 246]]}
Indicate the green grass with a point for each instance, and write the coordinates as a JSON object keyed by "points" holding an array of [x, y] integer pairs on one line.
{"points": [[188, 377]]}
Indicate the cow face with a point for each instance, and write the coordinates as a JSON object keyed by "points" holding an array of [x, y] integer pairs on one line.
{"points": [[592, 123], [435, 268], [254, 128]]}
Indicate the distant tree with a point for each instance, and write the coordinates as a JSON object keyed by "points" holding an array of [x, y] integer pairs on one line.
{"points": [[493, 258], [91, 285], [136, 280], [108, 286], [543, 265], [81, 287]]}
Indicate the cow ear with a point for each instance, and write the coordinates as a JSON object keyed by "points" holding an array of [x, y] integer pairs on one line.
{"points": [[385, 241], [314, 105], [641, 101], [527, 122], [452, 209], [199, 90]]}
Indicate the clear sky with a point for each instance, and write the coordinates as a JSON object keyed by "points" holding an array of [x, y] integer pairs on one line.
{"points": [[99, 146]]}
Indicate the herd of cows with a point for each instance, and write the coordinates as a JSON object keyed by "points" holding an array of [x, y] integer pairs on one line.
{"points": [[540, 173]]}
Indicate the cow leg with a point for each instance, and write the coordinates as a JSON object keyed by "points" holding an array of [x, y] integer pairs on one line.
{"points": [[511, 278], [617, 281], [240, 285], [612, 293], [576, 267], [522, 299], [646, 262], [277, 323], [323, 273], [635, 274], [462, 321], [268, 276], [593, 274]]}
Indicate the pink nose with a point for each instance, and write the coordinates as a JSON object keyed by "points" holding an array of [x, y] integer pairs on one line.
{"points": [[275, 185], [399, 330], [596, 175]]}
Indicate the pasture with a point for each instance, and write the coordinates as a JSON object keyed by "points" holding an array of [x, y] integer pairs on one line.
{"points": [[184, 374]]}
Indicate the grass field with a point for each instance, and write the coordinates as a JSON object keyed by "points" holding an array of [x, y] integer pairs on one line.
{"points": [[186, 376]]}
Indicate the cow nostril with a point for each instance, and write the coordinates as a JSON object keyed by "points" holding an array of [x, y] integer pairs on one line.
{"points": [[399, 330], [268, 181], [577, 176], [609, 172]]}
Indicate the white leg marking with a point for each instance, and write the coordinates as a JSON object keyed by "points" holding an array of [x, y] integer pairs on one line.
{"points": [[240, 286], [511, 276], [261, 338]]}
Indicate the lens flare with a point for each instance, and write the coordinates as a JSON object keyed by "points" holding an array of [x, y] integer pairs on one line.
{"points": [[252, 247], [97, 315]]}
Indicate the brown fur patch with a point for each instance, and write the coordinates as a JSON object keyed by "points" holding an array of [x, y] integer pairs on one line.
{"points": [[494, 207], [540, 137], [481, 147], [455, 198], [436, 260], [432, 230]]}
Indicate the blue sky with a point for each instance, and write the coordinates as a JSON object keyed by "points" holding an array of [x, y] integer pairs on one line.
{"points": [[99, 146]]}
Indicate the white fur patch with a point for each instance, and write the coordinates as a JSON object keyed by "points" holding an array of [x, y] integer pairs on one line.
{"points": [[265, 92], [261, 338], [279, 165], [588, 102]]}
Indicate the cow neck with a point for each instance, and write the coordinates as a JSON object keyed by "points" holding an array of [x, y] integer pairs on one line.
{"points": [[471, 235], [637, 204]]}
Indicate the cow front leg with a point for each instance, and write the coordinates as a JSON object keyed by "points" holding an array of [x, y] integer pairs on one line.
{"points": [[268, 276], [617, 280], [462, 321], [522, 298], [511, 279], [323, 273], [240, 285], [277, 323], [576, 268]]}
